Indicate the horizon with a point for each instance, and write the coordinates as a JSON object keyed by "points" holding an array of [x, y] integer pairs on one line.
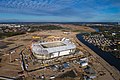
{"points": [[59, 11], [59, 22]]}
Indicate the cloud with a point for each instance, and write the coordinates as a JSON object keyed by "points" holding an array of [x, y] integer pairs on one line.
{"points": [[66, 9], [35, 6]]}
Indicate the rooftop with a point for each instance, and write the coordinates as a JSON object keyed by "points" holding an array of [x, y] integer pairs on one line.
{"points": [[51, 47]]}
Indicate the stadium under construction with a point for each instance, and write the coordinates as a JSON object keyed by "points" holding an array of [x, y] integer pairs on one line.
{"points": [[48, 50]]}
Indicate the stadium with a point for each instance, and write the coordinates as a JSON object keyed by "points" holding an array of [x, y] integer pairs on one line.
{"points": [[47, 50]]}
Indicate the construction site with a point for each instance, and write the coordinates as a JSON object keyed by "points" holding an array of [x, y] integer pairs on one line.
{"points": [[47, 55]]}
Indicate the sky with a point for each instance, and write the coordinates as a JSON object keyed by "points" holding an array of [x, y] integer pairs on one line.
{"points": [[59, 10]]}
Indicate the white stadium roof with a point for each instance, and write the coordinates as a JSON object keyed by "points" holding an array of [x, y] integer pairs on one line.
{"points": [[52, 47]]}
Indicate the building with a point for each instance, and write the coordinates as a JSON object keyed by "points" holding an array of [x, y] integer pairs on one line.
{"points": [[90, 72], [47, 50], [83, 62]]}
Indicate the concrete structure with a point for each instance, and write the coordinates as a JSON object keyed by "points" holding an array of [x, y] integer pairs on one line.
{"points": [[83, 62], [47, 50], [90, 72]]}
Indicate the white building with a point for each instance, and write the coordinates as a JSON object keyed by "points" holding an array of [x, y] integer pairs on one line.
{"points": [[84, 62], [47, 50]]}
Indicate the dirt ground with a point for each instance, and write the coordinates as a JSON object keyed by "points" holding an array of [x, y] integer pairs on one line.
{"points": [[10, 64]]}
